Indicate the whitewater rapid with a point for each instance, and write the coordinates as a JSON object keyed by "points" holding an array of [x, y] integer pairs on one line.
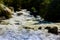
{"points": [[13, 28]]}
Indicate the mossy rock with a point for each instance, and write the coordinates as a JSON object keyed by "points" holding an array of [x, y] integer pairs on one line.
{"points": [[5, 11]]}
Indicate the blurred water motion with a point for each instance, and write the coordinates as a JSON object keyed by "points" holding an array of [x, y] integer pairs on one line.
{"points": [[14, 28]]}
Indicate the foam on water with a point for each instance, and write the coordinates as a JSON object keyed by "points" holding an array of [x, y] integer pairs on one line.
{"points": [[28, 35], [13, 28]]}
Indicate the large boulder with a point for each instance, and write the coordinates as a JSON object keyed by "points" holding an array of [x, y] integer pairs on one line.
{"points": [[53, 30], [5, 11]]}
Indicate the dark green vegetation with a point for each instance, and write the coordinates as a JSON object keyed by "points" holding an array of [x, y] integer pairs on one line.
{"points": [[47, 9]]}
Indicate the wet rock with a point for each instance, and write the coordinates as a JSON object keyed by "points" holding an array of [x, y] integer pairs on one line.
{"points": [[17, 23], [2, 18], [53, 30], [18, 14], [47, 27], [5, 11], [40, 28], [28, 28], [11, 8]]}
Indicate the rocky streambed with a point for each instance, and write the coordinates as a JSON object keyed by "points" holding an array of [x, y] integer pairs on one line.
{"points": [[23, 26]]}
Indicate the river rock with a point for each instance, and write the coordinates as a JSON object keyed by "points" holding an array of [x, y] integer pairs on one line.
{"points": [[53, 30], [5, 11]]}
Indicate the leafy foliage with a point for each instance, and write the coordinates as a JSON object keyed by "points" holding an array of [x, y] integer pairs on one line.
{"points": [[43, 7]]}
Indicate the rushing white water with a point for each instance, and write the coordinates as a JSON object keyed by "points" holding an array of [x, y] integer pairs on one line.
{"points": [[12, 29]]}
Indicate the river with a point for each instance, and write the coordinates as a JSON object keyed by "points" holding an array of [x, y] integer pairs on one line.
{"points": [[13, 28]]}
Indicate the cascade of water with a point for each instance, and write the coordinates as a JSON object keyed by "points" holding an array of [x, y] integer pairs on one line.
{"points": [[14, 28]]}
